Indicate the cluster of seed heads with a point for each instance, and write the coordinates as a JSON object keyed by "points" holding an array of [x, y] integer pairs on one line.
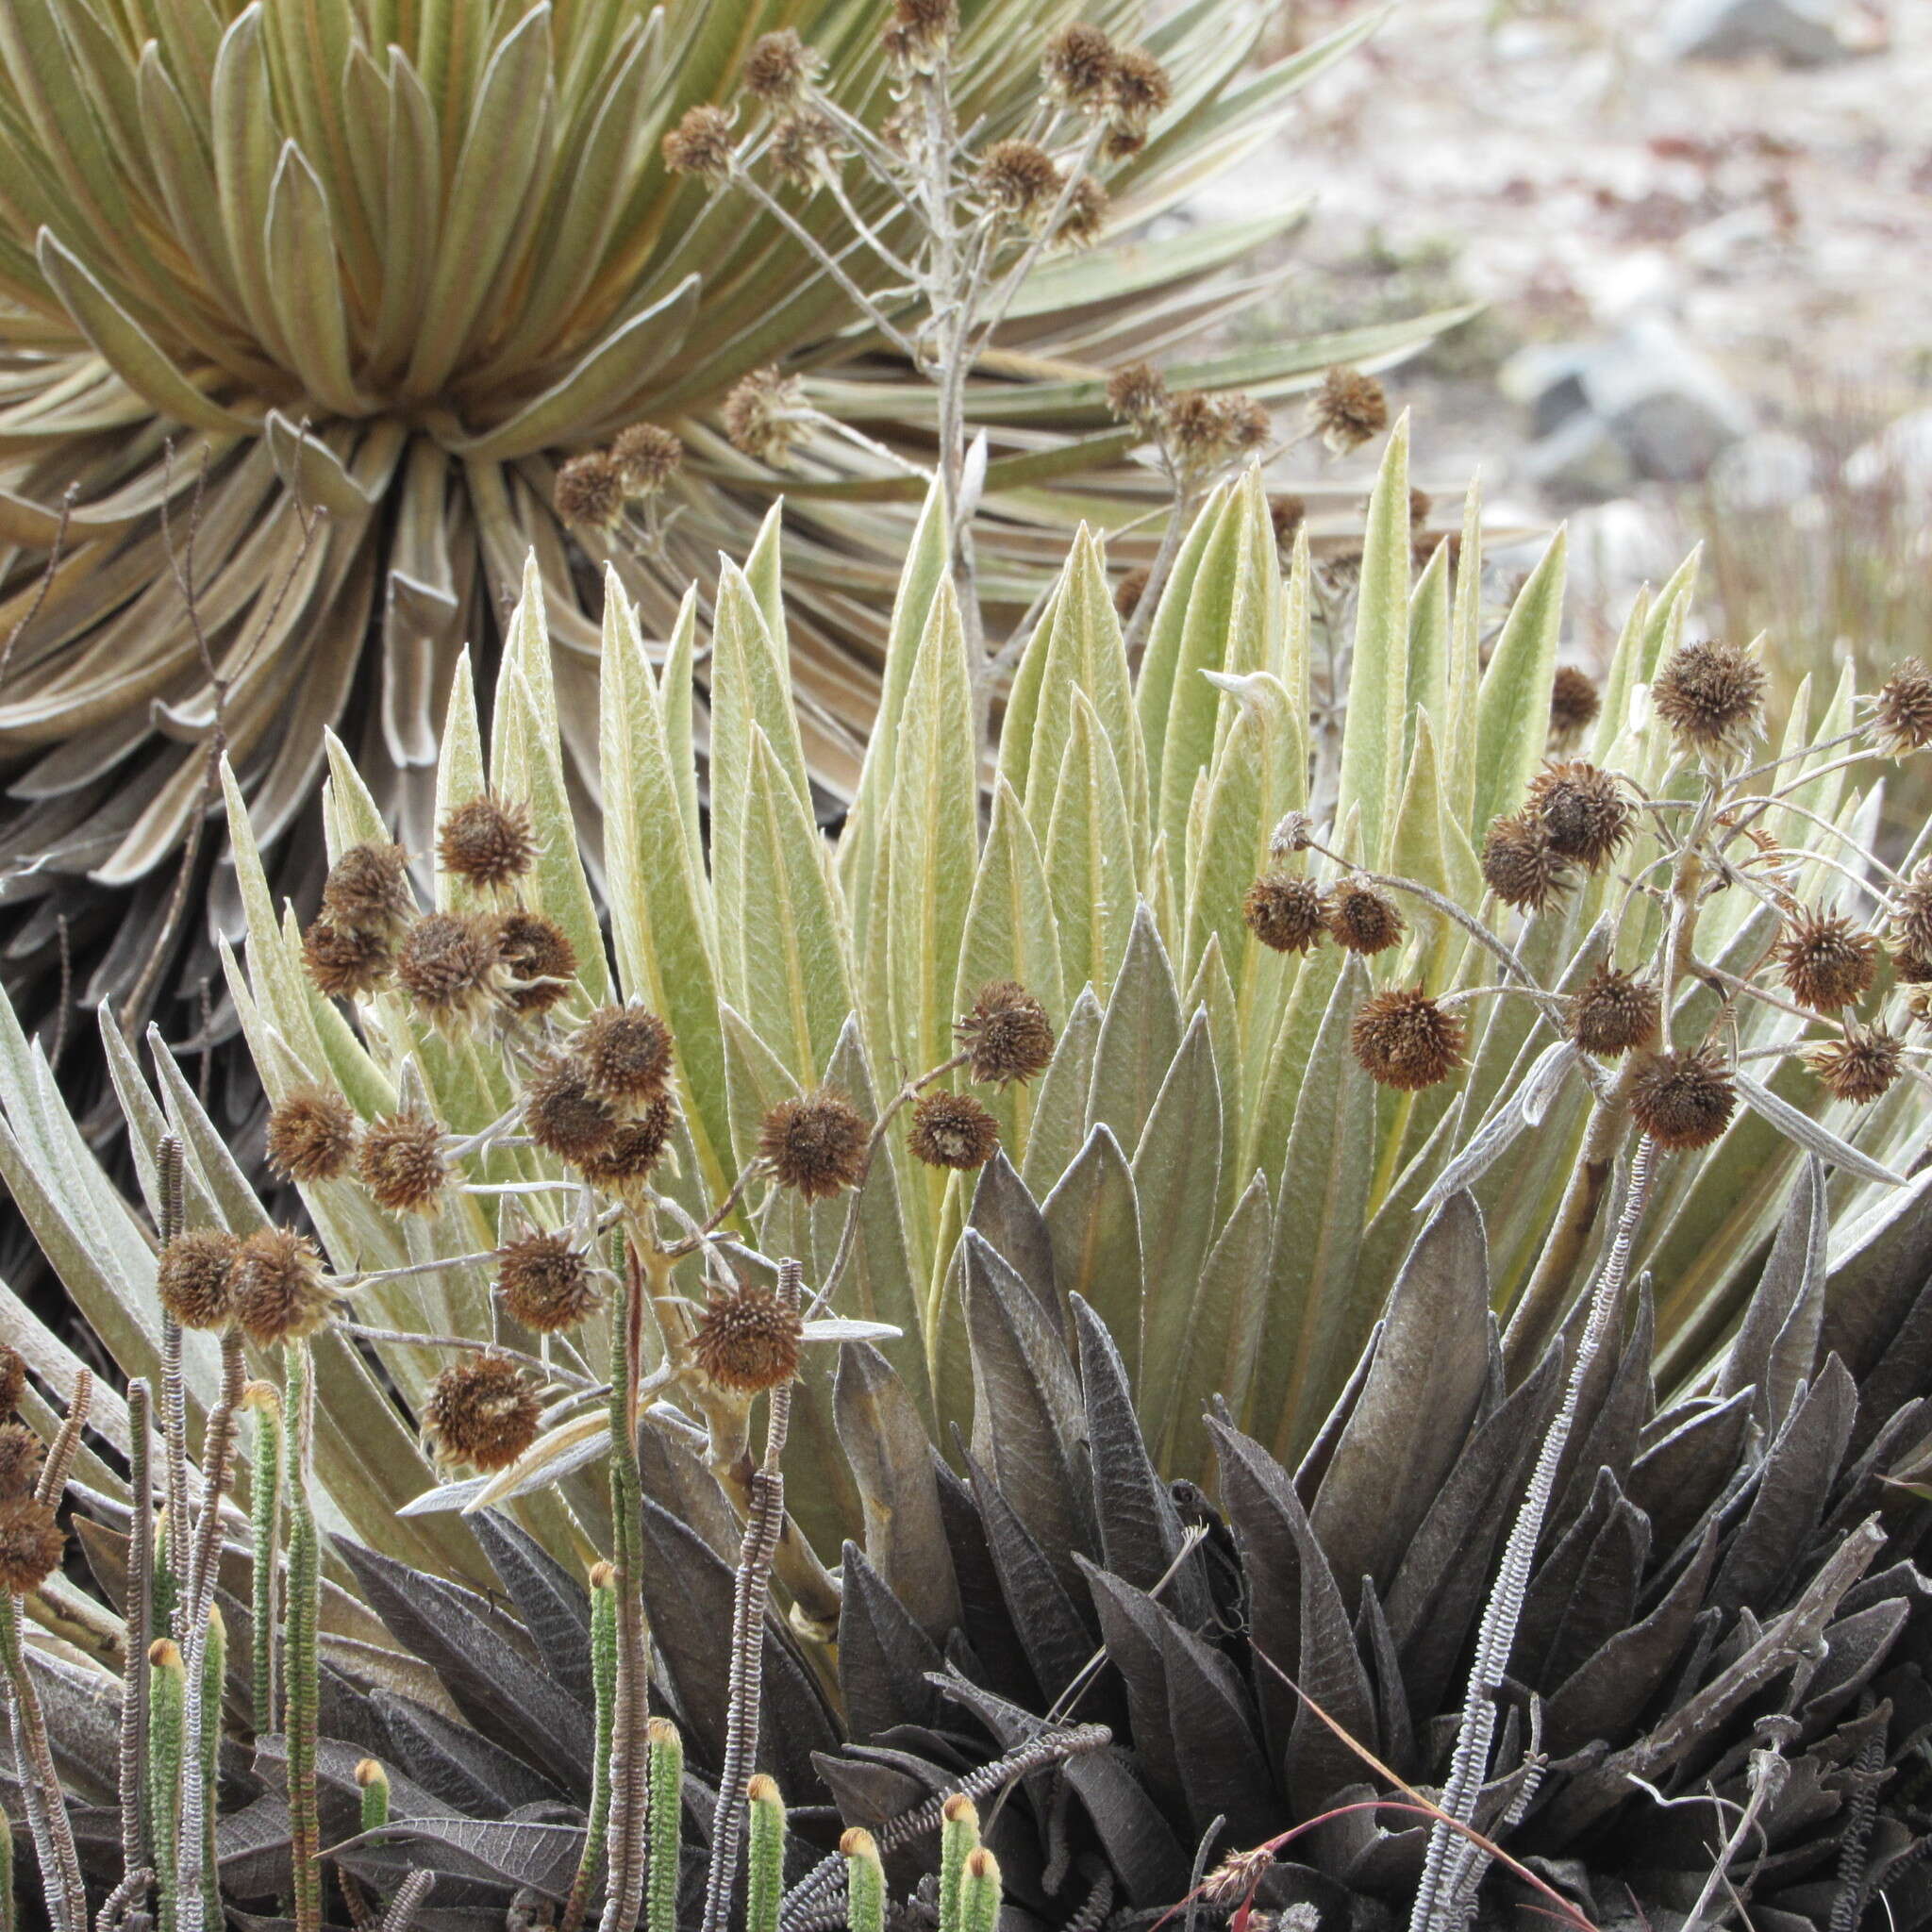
{"points": [[31, 1542], [596, 490]]}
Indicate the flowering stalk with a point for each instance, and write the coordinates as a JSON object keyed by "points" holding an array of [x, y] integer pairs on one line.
{"points": [[265, 1524], [664, 1760], [765, 1891], [604, 1688], [301, 1721], [165, 1753], [140, 1621]]}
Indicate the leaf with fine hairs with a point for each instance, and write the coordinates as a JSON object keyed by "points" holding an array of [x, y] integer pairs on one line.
{"points": [[1058, 1128], [554, 1605], [1688, 1463], [885, 1658], [1140, 1035], [1094, 1218], [521, 1853], [1008, 1219], [455, 1762], [1513, 711]]}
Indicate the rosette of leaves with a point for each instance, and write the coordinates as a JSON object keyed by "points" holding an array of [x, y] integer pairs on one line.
{"points": [[306, 304], [1205, 1175]]}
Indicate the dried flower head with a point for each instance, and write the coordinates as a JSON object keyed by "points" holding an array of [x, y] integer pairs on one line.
{"points": [[486, 841], [624, 1164], [952, 1130], [280, 1292], [311, 1135], [1521, 863], [646, 457], [748, 1340], [701, 144], [20, 1459], [1294, 832], [401, 1162], [483, 1412], [367, 890], [31, 1544], [1404, 1040], [562, 1113], [626, 1054], [1861, 1067], [804, 146], [1238, 1876], [1246, 424], [451, 966], [538, 959], [1128, 592], [1138, 88], [1287, 514], [1084, 216], [815, 1143], [195, 1276], [12, 1378], [1077, 66], [1137, 394], [546, 1282], [588, 492], [1007, 1036], [1902, 712], [1911, 913], [765, 415], [1911, 968], [1019, 178], [1575, 702], [344, 963], [1285, 911], [1710, 695], [1824, 961], [779, 68], [1584, 809], [1682, 1100], [921, 31], [1611, 1013], [1360, 918], [1348, 409]]}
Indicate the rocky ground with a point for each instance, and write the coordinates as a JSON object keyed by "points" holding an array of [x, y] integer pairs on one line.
{"points": [[1706, 281]]}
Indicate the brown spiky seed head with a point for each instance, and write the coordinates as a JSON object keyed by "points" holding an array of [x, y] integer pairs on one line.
{"points": [[952, 1130], [537, 954], [545, 1282], [401, 1162], [1287, 514], [281, 1293], [1196, 430], [1348, 409], [1294, 832], [1404, 1040], [778, 67], [1911, 913], [12, 1379], [1138, 86], [481, 1410], [763, 415], [1360, 918], [1575, 702], [311, 1135], [1586, 810], [1078, 65], [815, 1143], [1006, 1034], [1246, 424], [1911, 968], [195, 1276], [1611, 1013], [1019, 178], [1137, 394], [701, 144], [1824, 961], [450, 965], [1521, 863], [20, 1459], [647, 456], [1128, 592], [626, 1054], [1862, 1067], [31, 1544], [1084, 216], [1711, 694], [368, 890], [342, 962], [803, 145], [486, 841], [935, 21], [625, 1164], [1682, 1100], [1902, 712], [562, 1113], [748, 1340], [588, 492], [1285, 911]]}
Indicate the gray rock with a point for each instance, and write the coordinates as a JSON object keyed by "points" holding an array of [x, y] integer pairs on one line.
{"points": [[1770, 469], [1800, 33], [1582, 461], [1669, 405]]}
